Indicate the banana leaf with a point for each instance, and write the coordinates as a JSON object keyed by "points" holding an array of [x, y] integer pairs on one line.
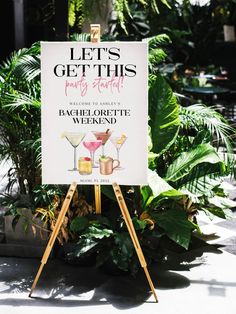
{"points": [[163, 112], [181, 167], [157, 190], [202, 179], [157, 184]]}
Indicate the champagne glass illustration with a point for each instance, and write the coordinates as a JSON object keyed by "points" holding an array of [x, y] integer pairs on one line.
{"points": [[74, 138], [118, 141], [103, 136], [92, 146]]}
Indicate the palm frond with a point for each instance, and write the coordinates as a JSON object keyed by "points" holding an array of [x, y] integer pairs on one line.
{"points": [[157, 55], [20, 99], [165, 2], [34, 49], [23, 63], [28, 67], [34, 145], [199, 115], [9, 64], [80, 37], [121, 7], [158, 40]]}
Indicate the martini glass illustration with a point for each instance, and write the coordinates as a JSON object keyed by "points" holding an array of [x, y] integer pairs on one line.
{"points": [[92, 146], [118, 142], [74, 139], [102, 136]]}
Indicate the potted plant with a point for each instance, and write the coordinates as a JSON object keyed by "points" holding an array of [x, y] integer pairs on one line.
{"points": [[185, 176]]}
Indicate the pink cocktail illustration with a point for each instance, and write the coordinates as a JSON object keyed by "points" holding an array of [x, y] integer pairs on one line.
{"points": [[102, 136], [118, 142], [92, 146]]}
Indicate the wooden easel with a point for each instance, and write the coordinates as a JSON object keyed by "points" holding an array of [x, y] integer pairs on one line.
{"points": [[95, 37]]}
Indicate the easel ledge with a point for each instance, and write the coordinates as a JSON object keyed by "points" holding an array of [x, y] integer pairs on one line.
{"points": [[95, 37]]}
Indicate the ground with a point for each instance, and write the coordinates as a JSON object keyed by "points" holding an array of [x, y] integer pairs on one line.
{"points": [[200, 281], [205, 282]]}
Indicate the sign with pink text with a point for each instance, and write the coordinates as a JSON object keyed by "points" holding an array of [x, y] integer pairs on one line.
{"points": [[94, 112]]}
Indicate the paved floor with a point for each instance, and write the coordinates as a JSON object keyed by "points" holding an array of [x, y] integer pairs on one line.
{"points": [[209, 286], [200, 281]]}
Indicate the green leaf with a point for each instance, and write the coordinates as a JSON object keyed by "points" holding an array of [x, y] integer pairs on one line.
{"points": [[79, 224], [146, 192], [123, 241], [199, 116], [156, 56], [156, 41], [202, 179], [83, 248], [163, 113], [101, 220], [165, 2], [71, 14], [80, 37], [203, 153], [157, 184], [224, 213], [123, 251], [176, 226], [108, 191], [165, 196], [160, 190], [139, 224], [175, 194], [103, 255], [151, 156], [97, 233], [222, 202], [28, 67]]}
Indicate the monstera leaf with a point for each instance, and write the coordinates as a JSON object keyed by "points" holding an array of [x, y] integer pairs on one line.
{"points": [[164, 114]]}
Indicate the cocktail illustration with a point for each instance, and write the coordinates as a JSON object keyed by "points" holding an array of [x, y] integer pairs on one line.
{"points": [[103, 136], [118, 142], [85, 165], [107, 165], [74, 139], [92, 146]]}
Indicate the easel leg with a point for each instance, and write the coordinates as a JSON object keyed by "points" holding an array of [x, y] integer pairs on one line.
{"points": [[133, 234], [55, 232], [97, 191]]}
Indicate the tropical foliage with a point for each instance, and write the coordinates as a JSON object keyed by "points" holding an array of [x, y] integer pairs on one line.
{"points": [[186, 168], [80, 10], [20, 117]]}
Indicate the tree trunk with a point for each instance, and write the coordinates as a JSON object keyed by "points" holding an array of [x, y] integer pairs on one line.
{"points": [[99, 14], [61, 19]]}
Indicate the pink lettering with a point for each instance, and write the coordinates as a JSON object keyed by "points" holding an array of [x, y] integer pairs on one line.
{"points": [[81, 85], [114, 83]]}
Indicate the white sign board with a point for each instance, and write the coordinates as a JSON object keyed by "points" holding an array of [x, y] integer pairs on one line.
{"points": [[94, 112]]}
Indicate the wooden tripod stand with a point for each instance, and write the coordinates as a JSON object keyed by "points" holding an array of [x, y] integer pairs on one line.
{"points": [[128, 221]]}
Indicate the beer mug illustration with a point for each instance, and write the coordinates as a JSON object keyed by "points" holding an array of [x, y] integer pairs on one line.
{"points": [[107, 165]]}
